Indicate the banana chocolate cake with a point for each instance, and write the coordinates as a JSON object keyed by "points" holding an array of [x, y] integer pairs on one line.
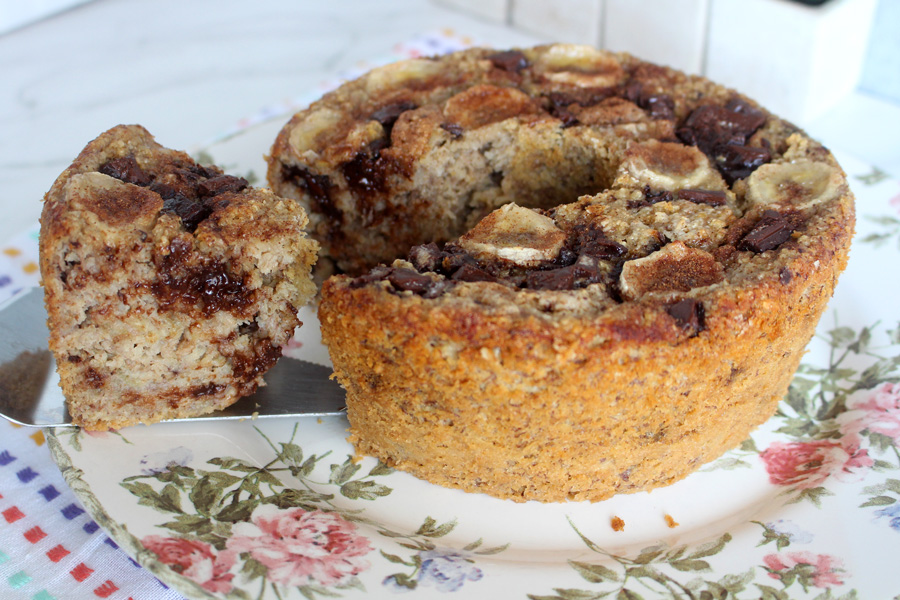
{"points": [[170, 287], [567, 273]]}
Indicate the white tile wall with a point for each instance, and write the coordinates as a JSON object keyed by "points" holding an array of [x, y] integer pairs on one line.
{"points": [[881, 68], [796, 60], [666, 32], [572, 21], [493, 10]]}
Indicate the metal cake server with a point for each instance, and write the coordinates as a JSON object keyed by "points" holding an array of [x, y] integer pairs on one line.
{"points": [[30, 394]]}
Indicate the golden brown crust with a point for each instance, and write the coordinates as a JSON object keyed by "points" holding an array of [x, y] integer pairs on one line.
{"points": [[526, 408], [613, 343], [169, 286]]}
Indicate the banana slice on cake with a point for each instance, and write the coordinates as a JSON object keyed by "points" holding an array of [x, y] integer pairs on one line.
{"points": [[794, 185], [668, 166], [516, 234]]}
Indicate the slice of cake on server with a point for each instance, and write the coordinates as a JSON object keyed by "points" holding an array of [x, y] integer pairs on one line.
{"points": [[170, 287]]}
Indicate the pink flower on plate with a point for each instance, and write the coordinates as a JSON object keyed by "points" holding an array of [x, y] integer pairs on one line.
{"points": [[774, 563], [99, 434], [300, 547], [198, 561], [293, 345], [878, 412], [895, 201], [807, 465], [819, 570]]}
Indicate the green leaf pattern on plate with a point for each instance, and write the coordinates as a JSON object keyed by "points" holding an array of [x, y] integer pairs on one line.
{"points": [[682, 572], [239, 522]]}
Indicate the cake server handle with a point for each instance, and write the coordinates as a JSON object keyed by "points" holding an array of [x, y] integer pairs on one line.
{"points": [[30, 394]]}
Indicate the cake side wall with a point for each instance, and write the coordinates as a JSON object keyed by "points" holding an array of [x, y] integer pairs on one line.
{"points": [[443, 395]]}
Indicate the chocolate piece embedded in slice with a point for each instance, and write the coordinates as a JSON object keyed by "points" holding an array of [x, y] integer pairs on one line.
{"points": [[770, 231]]}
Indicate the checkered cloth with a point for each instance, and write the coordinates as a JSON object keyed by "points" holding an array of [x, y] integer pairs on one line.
{"points": [[50, 548]]}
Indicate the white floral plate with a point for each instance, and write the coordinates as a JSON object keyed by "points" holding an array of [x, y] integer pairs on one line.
{"points": [[808, 507]]}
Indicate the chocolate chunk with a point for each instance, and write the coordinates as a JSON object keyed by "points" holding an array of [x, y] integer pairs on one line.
{"points": [[563, 114], [785, 276], [388, 115], [737, 162], [659, 106], [587, 270], [555, 279], [248, 365], [559, 108], [632, 91], [510, 60], [559, 104], [402, 279], [366, 172], [568, 119], [379, 273], [470, 272], [207, 286], [191, 212], [565, 257], [650, 198], [709, 126], [613, 278], [721, 132], [164, 190], [591, 240], [318, 187], [208, 389], [688, 314], [770, 231], [756, 118], [185, 181], [221, 184], [217, 285], [453, 129], [455, 258], [94, 378], [409, 281], [582, 96], [125, 169], [710, 197], [206, 172]]}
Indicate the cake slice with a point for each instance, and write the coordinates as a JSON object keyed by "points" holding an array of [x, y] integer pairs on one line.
{"points": [[170, 287]]}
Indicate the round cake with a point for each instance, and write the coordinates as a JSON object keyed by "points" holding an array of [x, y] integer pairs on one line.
{"points": [[566, 273]]}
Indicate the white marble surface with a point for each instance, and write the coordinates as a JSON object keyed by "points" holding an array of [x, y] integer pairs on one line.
{"points": [[187, 71]]}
